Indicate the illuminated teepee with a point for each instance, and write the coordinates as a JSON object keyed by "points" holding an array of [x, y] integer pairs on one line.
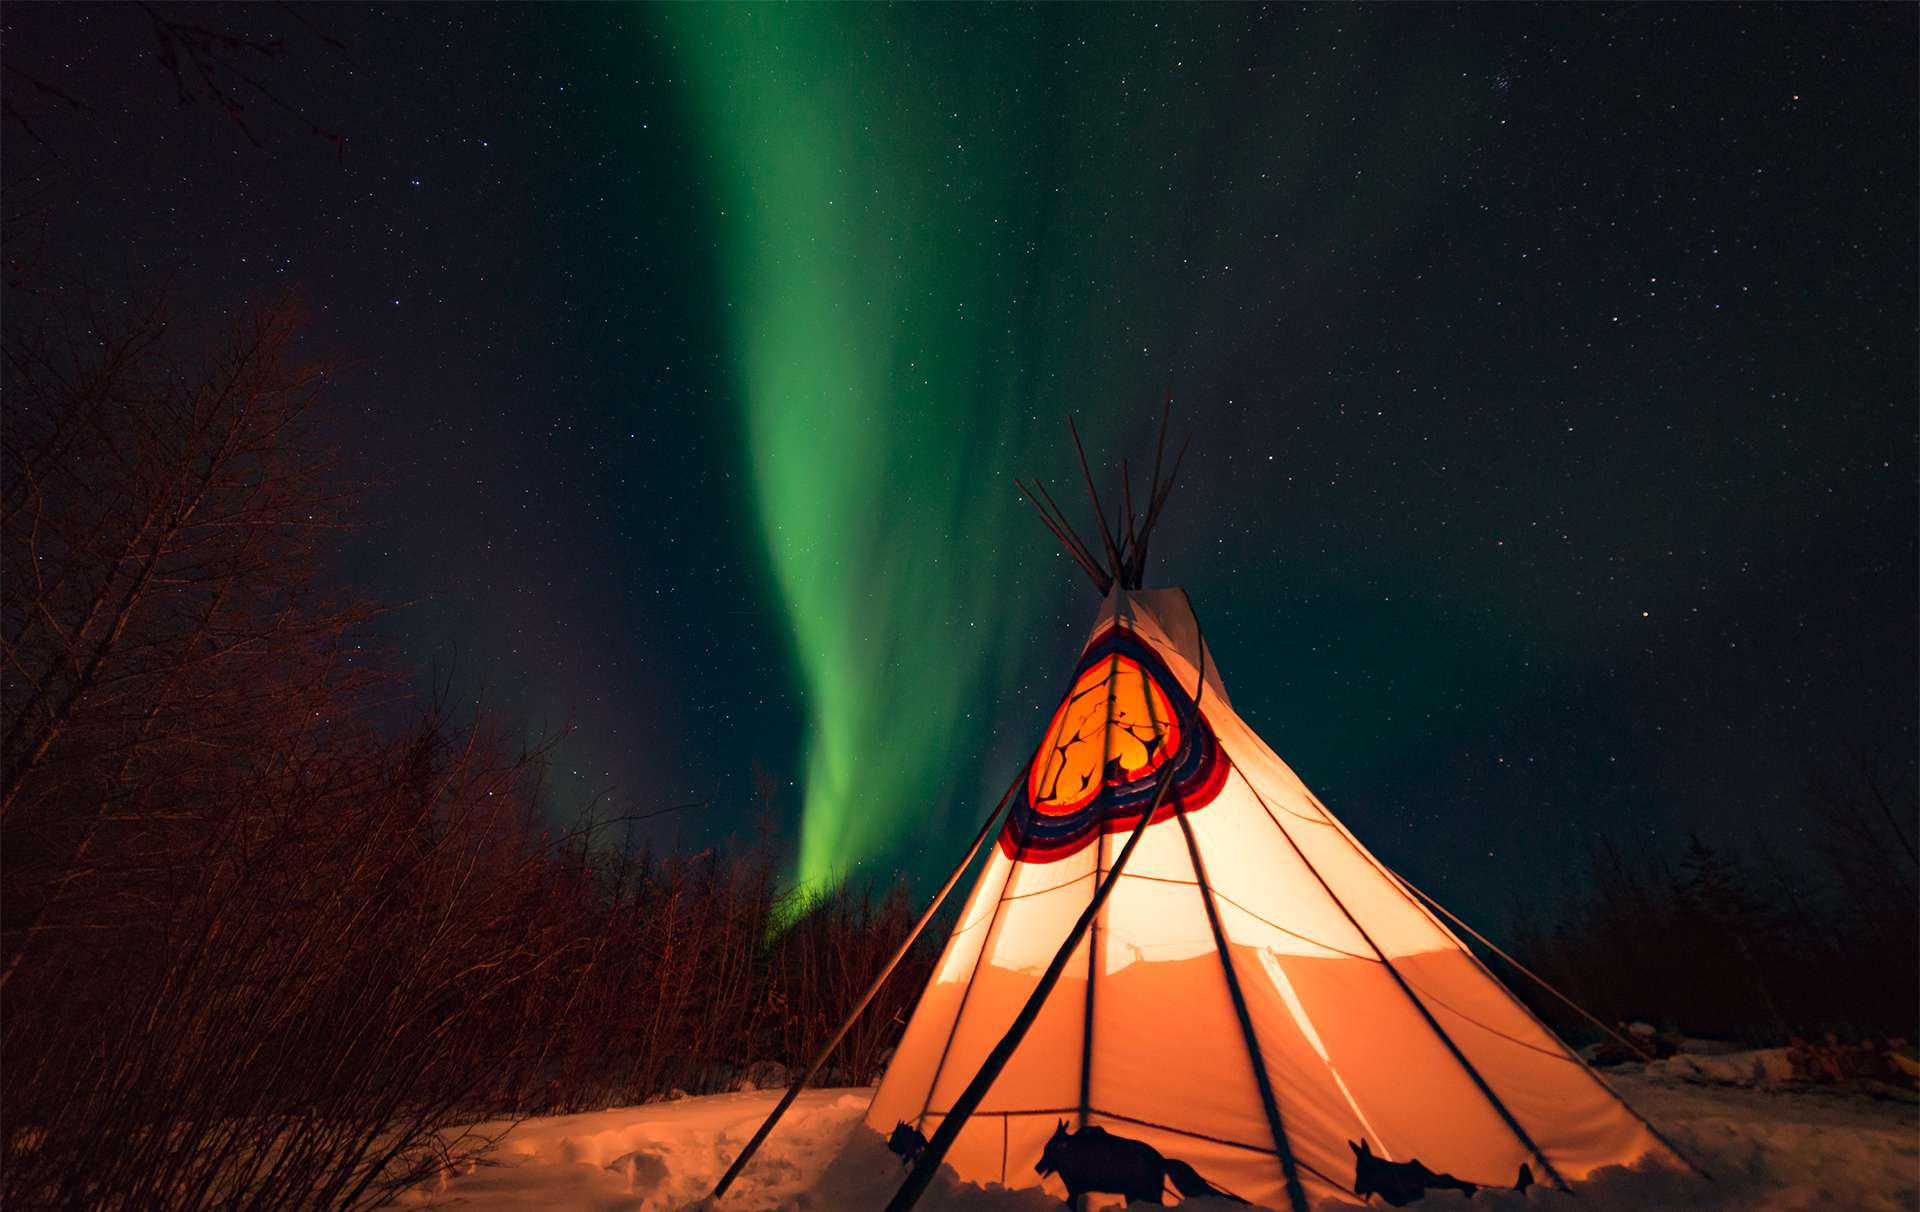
{"points": [[1257, 989]]}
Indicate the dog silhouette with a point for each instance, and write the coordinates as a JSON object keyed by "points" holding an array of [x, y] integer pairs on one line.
{"points": [[1400, 1183], [907, 1142], [1094, 1159]]}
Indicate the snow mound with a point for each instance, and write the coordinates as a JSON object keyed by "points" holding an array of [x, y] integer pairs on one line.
{"points": [[1767, 1151], [1729, 1068], [665, 1157]]}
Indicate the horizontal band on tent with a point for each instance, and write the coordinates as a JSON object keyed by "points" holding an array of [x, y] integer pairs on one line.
{"points": [[1021, 896], [1221, 896], [1161, 879], [1144, 1123], [982, 920], [993, 907]]}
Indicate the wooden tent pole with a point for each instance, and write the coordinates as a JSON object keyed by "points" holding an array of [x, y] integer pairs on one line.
{"points": [[956, 1116], [1086, 564], [1153, 510], [1153, 495], [1061, 516], [800, 1083], [1099, 510]]}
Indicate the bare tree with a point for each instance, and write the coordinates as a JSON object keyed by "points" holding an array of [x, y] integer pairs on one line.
{"points": [[253, 944], [267, 944]]}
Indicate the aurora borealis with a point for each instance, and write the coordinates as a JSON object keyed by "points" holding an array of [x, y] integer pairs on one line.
{"points": [[1549, 373], [892, 251], [879, 450]]}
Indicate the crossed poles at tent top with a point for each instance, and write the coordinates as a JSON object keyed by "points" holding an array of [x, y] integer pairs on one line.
{"points": [[1124, 544]]}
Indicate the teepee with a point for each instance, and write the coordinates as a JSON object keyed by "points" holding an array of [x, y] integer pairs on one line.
{"points": [[1256, 992]]}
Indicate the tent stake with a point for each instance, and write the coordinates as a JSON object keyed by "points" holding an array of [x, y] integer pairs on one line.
{"points": [[956, 1116], [800, 1083], [1099, 510], [1060, 515]]}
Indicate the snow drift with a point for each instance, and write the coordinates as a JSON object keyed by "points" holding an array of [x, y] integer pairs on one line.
{"points": [[1768, 1149]]}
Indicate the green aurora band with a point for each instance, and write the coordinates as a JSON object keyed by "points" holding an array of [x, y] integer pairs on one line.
{"points": [[942, 228], [879, 432]]}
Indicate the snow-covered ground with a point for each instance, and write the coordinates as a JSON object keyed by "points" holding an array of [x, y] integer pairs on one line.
{"points": [[1769, 1149]]}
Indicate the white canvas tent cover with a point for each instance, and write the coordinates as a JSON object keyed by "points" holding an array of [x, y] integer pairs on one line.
{"points": [[1369, 1018]]}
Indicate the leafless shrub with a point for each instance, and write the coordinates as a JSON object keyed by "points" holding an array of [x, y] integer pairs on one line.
{"points": [[262, 947], [1757, 948]]}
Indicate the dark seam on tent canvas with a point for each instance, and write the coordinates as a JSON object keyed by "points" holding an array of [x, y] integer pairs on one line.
{"points": [[1099, 857], [1605, 1087], [1305, 938], [974, 924], [1270, 1102], [1015, 1111], [1085, 875], [1311, 820], [1486, 1091]]}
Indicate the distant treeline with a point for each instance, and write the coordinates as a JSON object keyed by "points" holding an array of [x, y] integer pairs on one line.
{"points": [[1758, 948], [269, 929]]}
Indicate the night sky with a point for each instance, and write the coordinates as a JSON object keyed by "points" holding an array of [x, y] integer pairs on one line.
{"points": [[1550, 373]]}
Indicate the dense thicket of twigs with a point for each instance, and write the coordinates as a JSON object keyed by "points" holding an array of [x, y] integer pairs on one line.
{"points": [[1759, 948], [266, 932]]}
